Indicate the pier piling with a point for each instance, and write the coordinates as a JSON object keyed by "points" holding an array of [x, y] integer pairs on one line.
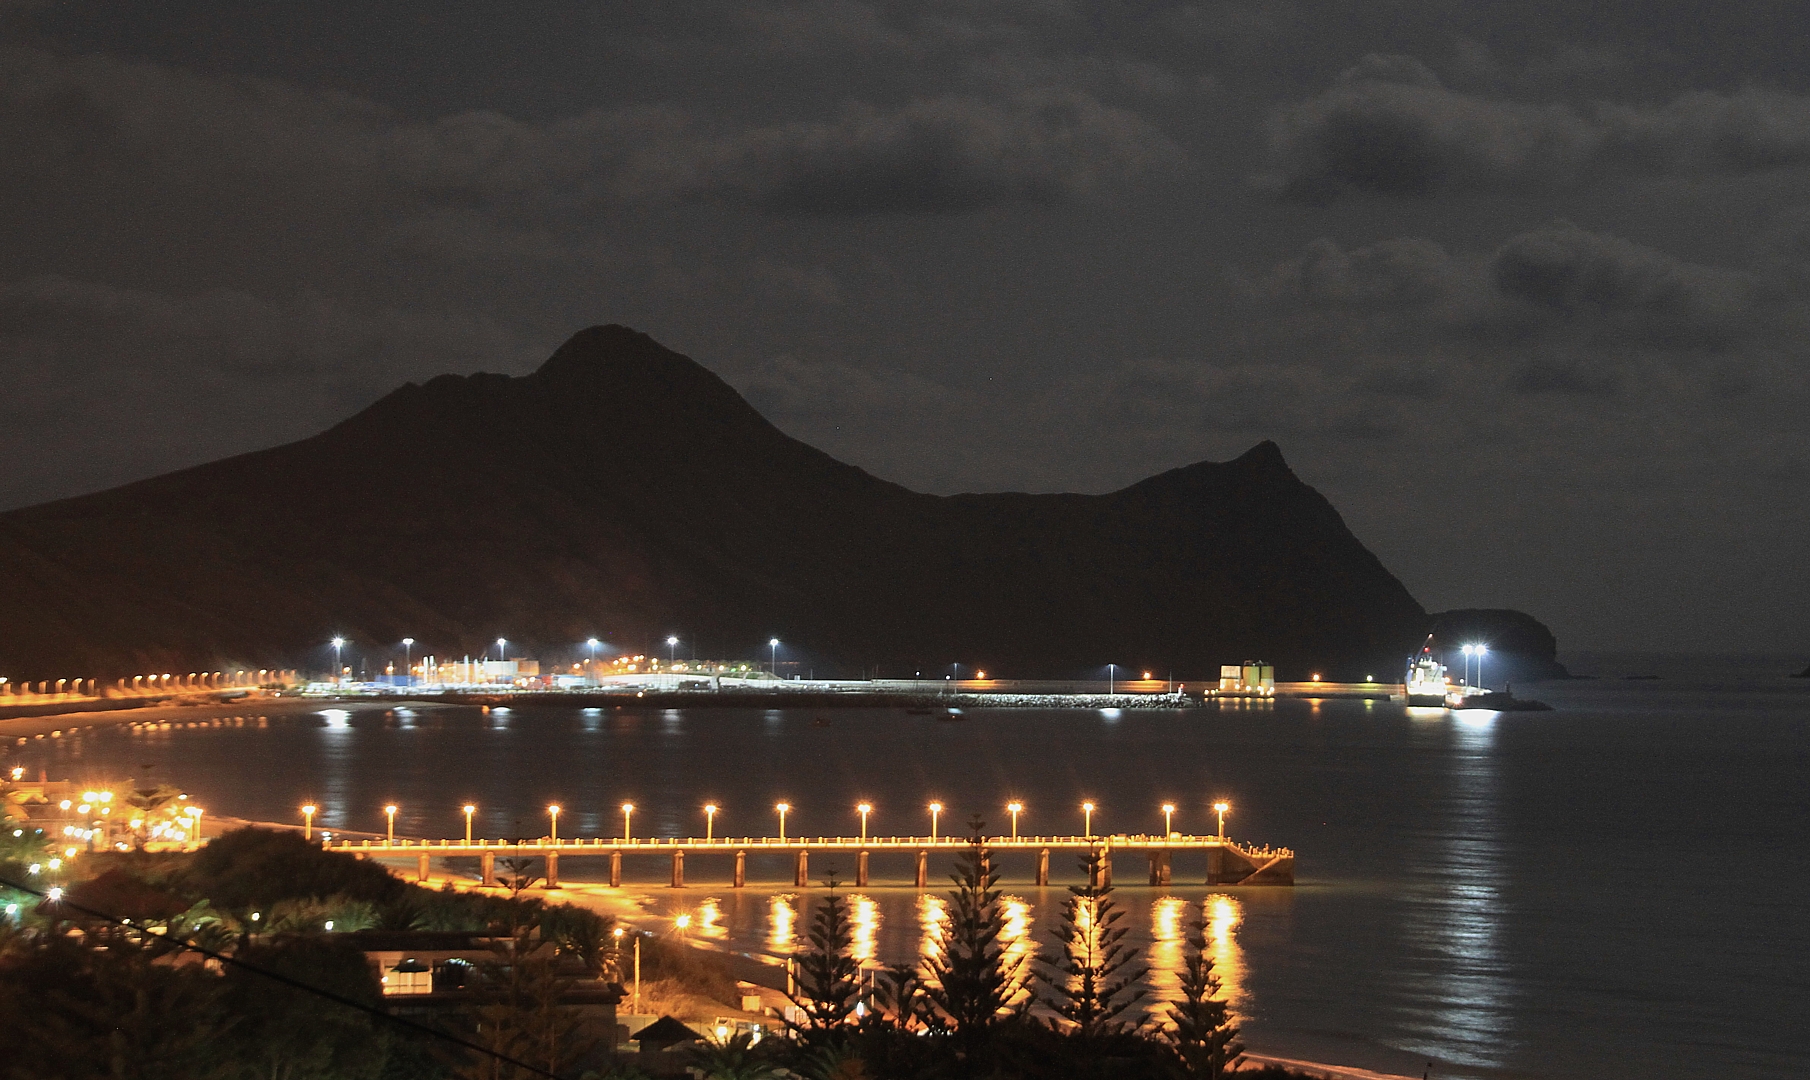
{"points": [[678, 869], [741, 870], [421, 868], [1043, 867], [803, 876], [861, 870], [552, 869], [487, 868], [615, 869], [923, 869]]}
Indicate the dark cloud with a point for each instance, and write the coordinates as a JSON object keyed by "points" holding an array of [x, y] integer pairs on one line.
{"points": [[946, 155], [1389, 126]]}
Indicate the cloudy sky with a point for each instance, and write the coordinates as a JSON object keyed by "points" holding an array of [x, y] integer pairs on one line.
{"points": [[1523, 288]]}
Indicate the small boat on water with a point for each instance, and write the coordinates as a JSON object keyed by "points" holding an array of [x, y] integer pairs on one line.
{"points": [[1426, 682], [952, 714]]}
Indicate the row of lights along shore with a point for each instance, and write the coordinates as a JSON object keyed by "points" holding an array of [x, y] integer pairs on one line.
{"points": [[864, 809]]}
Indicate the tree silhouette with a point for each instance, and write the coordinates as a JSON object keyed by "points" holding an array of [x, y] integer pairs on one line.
{"points": [[1094, 980], [1201, 1027]]}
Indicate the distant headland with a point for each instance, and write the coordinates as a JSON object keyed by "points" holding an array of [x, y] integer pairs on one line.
{"points": [[624, 493]]}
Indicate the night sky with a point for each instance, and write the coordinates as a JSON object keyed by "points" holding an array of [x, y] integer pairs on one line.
{"points": [[1523, 288]]}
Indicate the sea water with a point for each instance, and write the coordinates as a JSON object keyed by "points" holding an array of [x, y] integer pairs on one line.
{"points": [[1612, 889]]}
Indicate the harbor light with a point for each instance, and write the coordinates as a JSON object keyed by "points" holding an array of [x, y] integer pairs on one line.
{"points": [[935, 809], [389, 812], [1014, 808], [308, 821], [628, 811], [773, 656], [709, 821], [1168, 815], [1087, 819], [553, 812], [1220, 808], [782, 808], [470, 809], [864, 809]]}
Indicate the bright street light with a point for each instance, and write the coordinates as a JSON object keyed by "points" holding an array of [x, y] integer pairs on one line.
{"points": [[1220, 808], [553, 812], [773, 656], [709, 821], [1087, 819], [628, 810], [1168, 815], [782, 808], [338, 644], [672, 645], [935, 809], [390, 813], [864, 809], [1112, 672], [1014, 808], [502, 648], [408, 657], [470, 809], [1482, 651], [308, 822]]}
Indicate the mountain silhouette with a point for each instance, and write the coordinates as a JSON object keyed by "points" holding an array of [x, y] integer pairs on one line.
{"points": [[624, 491]]}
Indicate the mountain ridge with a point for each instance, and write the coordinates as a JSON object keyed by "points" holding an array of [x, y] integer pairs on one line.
{"points": [[624, 490]]}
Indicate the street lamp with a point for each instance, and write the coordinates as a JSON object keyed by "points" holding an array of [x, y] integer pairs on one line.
{"points": [[338, 644], [1168, 816], [592, 645], [1112, 671], [782, 808], [502, 648], [390, 830], [1220, 808], [1467, 651], [408, 659], [470, 809], [1014, 808], [935, 809], [628, 810], [864, 809], [1482, 651], [308, 821], [672, 647], [709, 821], [553, 812], [773, 656], [1087, 819]]}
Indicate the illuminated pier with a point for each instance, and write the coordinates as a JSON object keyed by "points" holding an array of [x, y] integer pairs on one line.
{"points": [[1220, 861]]}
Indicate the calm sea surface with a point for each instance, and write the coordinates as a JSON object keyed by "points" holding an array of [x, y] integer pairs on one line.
{"points": [[1614, 889]]}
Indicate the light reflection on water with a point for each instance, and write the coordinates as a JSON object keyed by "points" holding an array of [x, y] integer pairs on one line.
{"points": [[783, 919], [1470, 885], [864, 927]]}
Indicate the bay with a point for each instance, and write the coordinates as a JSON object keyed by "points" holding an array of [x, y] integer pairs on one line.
{"points": [[1613, 889]]}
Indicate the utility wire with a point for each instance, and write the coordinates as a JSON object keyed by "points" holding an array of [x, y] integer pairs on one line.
{"points": [[299, 985]]}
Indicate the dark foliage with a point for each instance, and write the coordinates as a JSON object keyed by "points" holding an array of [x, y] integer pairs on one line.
{"points": [[1201, 1028], [1094, 978], [826, 974], [258, 868]]}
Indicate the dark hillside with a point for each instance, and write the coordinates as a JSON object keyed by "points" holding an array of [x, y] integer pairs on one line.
{"points": [[624, 490]]}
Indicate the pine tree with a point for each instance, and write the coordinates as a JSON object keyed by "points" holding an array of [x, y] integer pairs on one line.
{"points": [[970, 981], [827, 986], [1201, 1029], [1094, 980]]}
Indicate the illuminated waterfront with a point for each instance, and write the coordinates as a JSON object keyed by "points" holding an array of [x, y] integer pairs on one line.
{"points": [[1472, 889]]}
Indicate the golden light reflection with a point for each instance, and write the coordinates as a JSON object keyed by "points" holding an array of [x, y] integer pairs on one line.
{"points": [[933, 920], [1224, 914], [1168, 939], [709, 922], [864, 926], [783, 924], [1019, 944]]}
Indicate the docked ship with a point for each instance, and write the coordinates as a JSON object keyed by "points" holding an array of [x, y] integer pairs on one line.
{"points": [[1426, 682]]}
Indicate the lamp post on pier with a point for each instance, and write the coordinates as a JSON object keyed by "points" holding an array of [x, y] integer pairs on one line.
{"points": [[389, 812], [628, 811], [470, 809], [1168, 818], [864, 809], [308, 821], [782, 808], [553, 812], [935, 809], [1014, 808], [1087, 820], [709, 821], [1220, 808]]}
